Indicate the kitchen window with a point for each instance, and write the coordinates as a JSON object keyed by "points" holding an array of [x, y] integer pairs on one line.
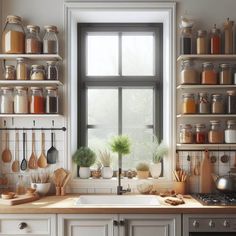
{"points": [[120, 89]]}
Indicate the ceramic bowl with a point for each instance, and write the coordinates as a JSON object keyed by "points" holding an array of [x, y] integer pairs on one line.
{"points": [[41, 188]]}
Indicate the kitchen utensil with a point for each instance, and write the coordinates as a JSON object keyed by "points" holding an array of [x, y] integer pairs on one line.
{"points": [[59, 176], [23, 165], [52, 154], [224, 158], [16, 164], [42, 161], [225, 183], [33, 159], [6, 154], [177, 161], [213, 159]]}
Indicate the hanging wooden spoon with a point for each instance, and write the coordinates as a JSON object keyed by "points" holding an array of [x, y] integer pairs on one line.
{"points": [[6, 154], [42, 161], [33, 158], [16, 164]]}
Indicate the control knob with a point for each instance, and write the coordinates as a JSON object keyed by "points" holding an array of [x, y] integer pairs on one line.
{"points": [[211, 224], [195, 224]]}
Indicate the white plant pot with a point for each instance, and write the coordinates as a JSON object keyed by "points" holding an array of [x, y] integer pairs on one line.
{"points": [[107, 172], [155, 170], [84, 172]]}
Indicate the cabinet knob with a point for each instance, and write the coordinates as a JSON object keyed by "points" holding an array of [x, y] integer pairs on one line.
{"points": [[22, 225], [195, 224], [226, 224], [122, 223], [115, 223], [211, 224]]}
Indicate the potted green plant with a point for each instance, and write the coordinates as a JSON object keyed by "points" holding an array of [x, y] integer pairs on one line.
{"points": [[142, 170], [106, 161], [84, 157]]}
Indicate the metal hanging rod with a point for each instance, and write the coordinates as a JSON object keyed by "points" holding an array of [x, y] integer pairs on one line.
{"points": [[63, 128], [210, 150]]}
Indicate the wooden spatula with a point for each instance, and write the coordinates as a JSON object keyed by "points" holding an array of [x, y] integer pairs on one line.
{"points": [[6, 154], [16, 164], [42, 161], [33, 159]]}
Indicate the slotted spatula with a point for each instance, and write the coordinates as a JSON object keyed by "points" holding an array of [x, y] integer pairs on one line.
{"points": [[23, 165], [52, 154]]}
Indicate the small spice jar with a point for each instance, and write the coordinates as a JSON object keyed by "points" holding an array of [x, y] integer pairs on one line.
{"points": [[217, 104], [51, 70], [201, 135], [6, 100], [202, 42], [225, 74], [188, 73], [186, 134], [215, 39], [36, 101], [186, 41], [51, 100], [21, 100], [188, 104], [230, 132], [33, 44], [50, 40], [10, 73], [204, 106], [209, 75], [231, 102], [37, 72], [215, 134], [21, 69]]}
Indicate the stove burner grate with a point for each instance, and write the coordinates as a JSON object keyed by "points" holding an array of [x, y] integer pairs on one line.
{"points": [[216, 198]]}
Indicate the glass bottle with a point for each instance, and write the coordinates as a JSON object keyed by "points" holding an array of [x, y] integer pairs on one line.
{"points": [[36, 101], [217, 104], [215, 134], [6, 100], [33, 44], [228, 36], [188, 73], [21, 100], [186, 134], [20, 186], [209, 75], [186, 41], [202, 42], [225, 73], [10, 73], [215, 36], [231, 102], [51, 70], [37, 72], [201, 136], [13, 36], [230, 132], [21, 69], [188, 104], [203, 103], [50, 40], [51, 100]]}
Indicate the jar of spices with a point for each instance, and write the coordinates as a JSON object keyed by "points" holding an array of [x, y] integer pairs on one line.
{"points": [[188, 104], [186, 134], [188, 73], [225, 74], [230, 132], [21, 69], [6, 100], [36, 101], [215, 37], [21, 100], [228, 36], [201, 136], [51, 100], [215, 134], [37, 72], [50, 40], [217, 104], [13, 36], [202, 42], [209, 75], [203, 103], [186, 41], [33, 44], [10, 73], [52, 70], [231, 102]]}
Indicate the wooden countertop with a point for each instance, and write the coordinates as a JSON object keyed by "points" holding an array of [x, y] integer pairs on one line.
{"points": [[65, 205]]}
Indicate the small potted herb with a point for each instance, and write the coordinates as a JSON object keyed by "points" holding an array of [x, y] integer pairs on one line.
{"points": [[106, 160], [142, 170]]}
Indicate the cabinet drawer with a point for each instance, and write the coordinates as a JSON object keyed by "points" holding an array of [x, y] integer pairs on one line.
{"points": [[27, 224]]}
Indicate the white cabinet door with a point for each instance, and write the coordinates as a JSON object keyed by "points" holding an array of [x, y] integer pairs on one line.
{"points": [[87, 225]]}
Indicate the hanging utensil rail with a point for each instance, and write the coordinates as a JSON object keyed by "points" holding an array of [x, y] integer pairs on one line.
{"points": [[63, 128]]}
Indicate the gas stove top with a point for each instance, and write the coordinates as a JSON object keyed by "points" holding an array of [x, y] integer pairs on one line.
{"points": [[216, 199]]}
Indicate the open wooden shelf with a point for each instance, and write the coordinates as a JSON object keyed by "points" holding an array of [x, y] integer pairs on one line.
{"points": [[215, 57], [31, 56]]}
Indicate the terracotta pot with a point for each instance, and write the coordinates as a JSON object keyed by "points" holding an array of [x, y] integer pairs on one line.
{"points": [[155, 170], [142, 174]]}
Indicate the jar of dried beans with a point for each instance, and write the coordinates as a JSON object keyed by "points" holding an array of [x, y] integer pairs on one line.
{"points": [[52, 70], [215, 134], [186, 40], [33, 44], [51, 100], [37, 101], [209, 75], [186, 133], [188, 73], [203, 103], [217, 104], [188, 104]]}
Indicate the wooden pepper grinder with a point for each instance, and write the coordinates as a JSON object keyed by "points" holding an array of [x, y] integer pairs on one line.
{"points": [[228, 36]]}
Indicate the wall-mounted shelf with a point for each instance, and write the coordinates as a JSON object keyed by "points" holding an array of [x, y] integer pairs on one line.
{"points": [[30, 115], [201, 86], [207, 57], [201, 147], [42, 83], [206, 116], [31, 56]]}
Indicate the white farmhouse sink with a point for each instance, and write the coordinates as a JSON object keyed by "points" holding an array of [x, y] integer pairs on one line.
{"points": [[144, 200]]}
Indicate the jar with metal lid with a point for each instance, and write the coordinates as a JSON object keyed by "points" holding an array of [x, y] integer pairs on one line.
{"points": [[37, 72], [6, 99], [21, 69], [201, 135], [13, 36], [36, 101], [50, 40], [186, 134], [204, 106], [230, 132], [215, 134], [188, 73], [217, 104], [215, 39], [225, 73], [209, 75], [186, 41], [188, 104], [21, 100], [51, 100], [33, 44], [231, 102], [228, 36], [52, 70], [202, 42], [10, 73]]}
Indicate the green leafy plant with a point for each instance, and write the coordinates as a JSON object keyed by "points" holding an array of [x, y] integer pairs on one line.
{"points": [[159, 150], [105, 158], [121, 144], [84, 157], [142, 166]]}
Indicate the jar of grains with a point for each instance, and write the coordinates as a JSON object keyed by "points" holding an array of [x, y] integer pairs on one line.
{"points": [[230, 132], [186, 133], [10, 73], [217, 104], [6, 99], [225, 74], [13, 36], [215, 134], [209, 75], [188, 104], [201, 136], [33, 44], [50, 40], [21, 100], [52, 70], [203, 103], [21, 69], [215, 37], [202, 42], [231, 102], [36, 101], [37, 72], [188, 73], [51, 100]]}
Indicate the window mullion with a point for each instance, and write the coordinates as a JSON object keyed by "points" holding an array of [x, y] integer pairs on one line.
{"points": [[120, 54], [120, 126]]}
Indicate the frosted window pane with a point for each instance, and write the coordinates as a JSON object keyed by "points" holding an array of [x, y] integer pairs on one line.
{"points": [[138, 55], [102, 55]]}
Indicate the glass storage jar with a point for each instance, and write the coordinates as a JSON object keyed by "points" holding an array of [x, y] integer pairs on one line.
{"points": [[217, 104], [51, 70], [228, 36], [21, 69], [6, 100], [203, 103], [201, 135], [13, 36], [230, 132], [33, 44], [10, 73], [202, 42], [51, 100], [20, 186], [36, 101], [37, 72], [215, 40], [188, 73], [186, 134], [215, 134], [186, 41], [188, 104], [231, 102], [50, 40], [225, 73], [209, 75], [21, 100]]}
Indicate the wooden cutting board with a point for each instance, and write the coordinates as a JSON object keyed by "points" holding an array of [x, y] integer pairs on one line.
{"points": [[205, 174], [19, 199]]}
